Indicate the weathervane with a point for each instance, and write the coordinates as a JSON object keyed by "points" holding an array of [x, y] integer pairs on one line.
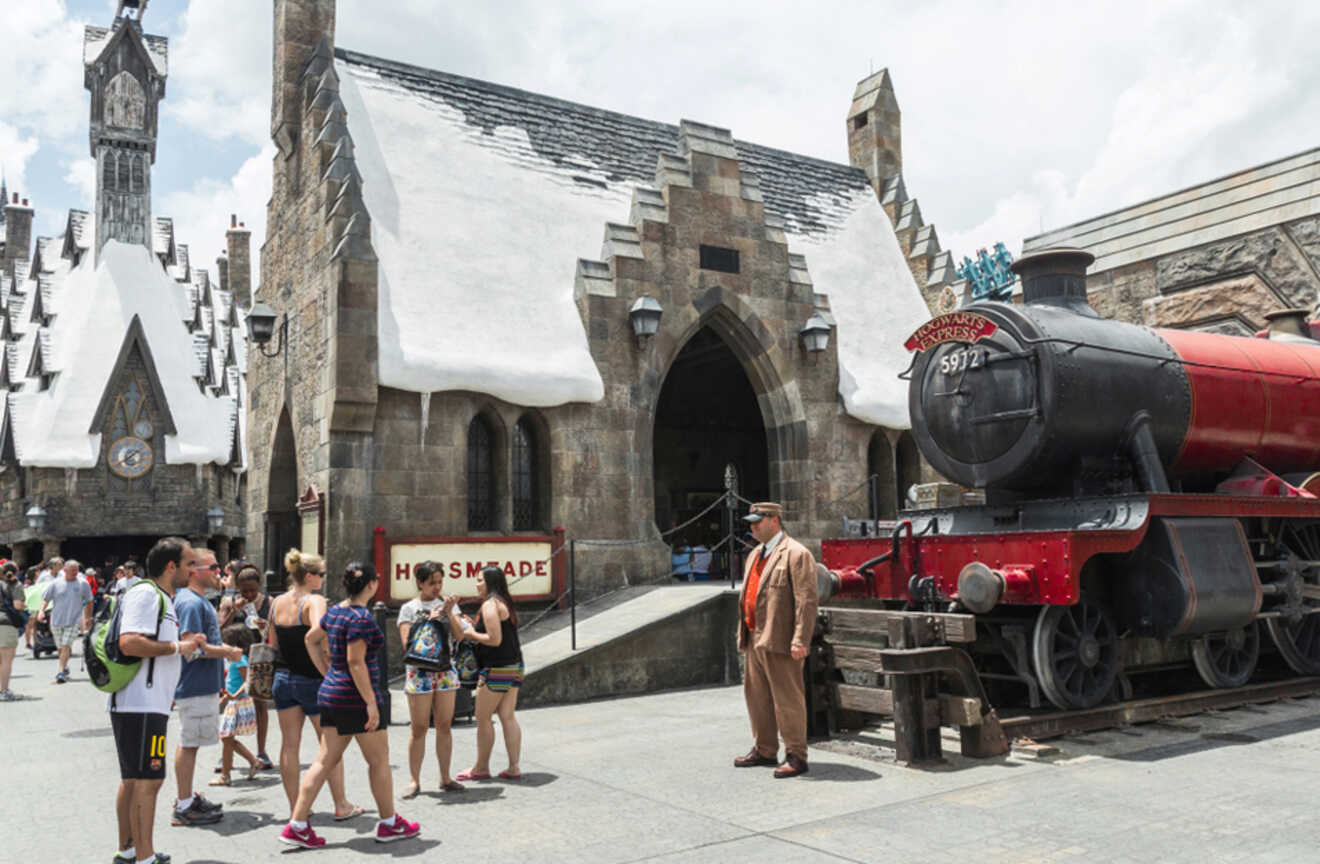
{"points": [[139, 5]]}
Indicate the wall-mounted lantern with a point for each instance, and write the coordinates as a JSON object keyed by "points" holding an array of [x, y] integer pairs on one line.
{"points": [[36, 519], [215, 520], [645, 317], [261, 327], [815, 335]]}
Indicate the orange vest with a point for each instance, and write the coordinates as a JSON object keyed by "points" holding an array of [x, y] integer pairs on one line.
{"points": [[749, 598]]}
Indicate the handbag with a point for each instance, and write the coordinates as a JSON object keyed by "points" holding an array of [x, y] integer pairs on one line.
{"points": [[465, 661], [240, 717], [17, 618], [261, 670], [428, 647]]}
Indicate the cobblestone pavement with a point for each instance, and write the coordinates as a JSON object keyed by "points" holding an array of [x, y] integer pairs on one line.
{"points": [[649, 779]]}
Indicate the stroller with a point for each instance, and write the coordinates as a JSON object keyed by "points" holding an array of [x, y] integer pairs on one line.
{"points": [[43, 641]]}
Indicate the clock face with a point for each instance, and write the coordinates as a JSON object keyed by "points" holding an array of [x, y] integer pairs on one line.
{"points": [[130, 457], [143, 429]]}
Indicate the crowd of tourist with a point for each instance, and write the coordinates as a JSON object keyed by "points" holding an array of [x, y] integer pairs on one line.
{"points": [[214, 650]]}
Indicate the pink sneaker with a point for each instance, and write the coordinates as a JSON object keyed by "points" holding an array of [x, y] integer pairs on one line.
{"points": [[400, 829], [305, 838]]}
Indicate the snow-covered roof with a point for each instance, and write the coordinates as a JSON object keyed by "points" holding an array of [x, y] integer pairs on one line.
{"points": [[96, 38], [97, 303], [482, 199]]}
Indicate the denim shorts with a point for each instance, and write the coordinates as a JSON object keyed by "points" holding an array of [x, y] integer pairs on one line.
{"points": [[296, 691]]}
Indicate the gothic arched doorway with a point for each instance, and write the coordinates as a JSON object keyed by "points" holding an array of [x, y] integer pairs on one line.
{"points": [[282, 527], [707, 418]]}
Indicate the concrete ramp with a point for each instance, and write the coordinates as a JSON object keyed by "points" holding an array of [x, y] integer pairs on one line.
{"points": [[671, 636]]}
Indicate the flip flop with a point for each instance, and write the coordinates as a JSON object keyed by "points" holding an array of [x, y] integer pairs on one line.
{"points": [[469, 776], [352, 814], [505, 775], [412, 791], [222, 780]]}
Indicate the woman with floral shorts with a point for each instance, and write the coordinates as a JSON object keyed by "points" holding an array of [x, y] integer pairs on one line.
{"points": [[431, 694]]}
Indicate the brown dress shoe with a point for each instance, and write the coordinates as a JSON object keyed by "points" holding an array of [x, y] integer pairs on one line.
{"points": [[754, 759], [792, 767]]}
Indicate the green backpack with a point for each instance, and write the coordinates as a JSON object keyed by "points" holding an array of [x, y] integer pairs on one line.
{"points": [[110, 669]]}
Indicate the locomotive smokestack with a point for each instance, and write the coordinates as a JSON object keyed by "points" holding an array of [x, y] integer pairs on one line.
{"points": [[1055, 277], [1288, 323]]}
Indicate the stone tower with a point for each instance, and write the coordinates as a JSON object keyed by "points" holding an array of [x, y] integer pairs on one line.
{"points": [[124, 70]]}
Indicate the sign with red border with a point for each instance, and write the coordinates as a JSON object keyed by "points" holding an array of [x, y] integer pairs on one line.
{"points": [[533, 565], [954, 327]]}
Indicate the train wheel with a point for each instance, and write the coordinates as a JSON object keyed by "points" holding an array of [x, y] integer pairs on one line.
{"points": [[1298, 640], [1227, 659], [1075, 649]]}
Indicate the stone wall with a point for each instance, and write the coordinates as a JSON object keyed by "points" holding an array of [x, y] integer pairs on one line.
{"points": [[1227, 286]]}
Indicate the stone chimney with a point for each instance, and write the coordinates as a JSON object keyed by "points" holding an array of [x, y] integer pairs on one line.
{"points": [[874, 142], [238, 272], [18, 232], [299, 25], [222, 270]]}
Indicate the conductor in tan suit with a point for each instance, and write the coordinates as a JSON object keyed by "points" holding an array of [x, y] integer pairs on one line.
{"points": [[776, 620]]}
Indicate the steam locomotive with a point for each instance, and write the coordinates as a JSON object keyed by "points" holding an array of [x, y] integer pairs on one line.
{"points": [[1150, 495]]}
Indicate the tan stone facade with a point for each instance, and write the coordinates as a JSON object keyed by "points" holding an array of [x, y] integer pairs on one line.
{"points": [[394, 460]]}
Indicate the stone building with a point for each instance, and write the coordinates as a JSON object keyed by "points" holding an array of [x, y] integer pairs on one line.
{"points": [[1218, 256], [121, 362], [457, 268]]}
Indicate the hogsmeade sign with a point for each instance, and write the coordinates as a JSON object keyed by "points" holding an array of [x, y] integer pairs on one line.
{"points": [[953, 327], [533, 569]]}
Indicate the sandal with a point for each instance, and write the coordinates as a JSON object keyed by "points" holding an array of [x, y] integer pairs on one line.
{"points": [[452, 786], [253, 768], [221, 780], [469, 776], [505, 775], [413, 790], [351, 814]]}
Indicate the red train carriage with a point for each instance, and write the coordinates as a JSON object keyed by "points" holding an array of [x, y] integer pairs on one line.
{"points": [[1148, 492]]}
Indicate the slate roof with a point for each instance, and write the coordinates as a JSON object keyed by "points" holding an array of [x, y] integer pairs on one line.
{"points": [[797, 188], [1242, 202]]}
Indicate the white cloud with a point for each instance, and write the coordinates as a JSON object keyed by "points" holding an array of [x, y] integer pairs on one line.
{"points": [[201, 213], [15, 151], [220, 71], [81, 175]]}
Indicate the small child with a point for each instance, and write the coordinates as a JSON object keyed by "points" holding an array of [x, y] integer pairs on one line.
{"points": [[237, 714]]}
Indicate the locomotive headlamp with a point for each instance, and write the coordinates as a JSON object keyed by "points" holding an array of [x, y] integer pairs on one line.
{"points": [[815, 334], [645, 317]]}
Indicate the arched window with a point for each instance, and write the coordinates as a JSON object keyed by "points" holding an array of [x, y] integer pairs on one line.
{"points": [[526, 465], [125, 102], [139, 179], [108, 171], [907, 467], [480, 475], [880, 463], [121, 182]]}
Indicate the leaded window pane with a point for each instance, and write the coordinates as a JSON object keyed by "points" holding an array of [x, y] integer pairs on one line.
{"points": [[525, 516], [481, 477]]}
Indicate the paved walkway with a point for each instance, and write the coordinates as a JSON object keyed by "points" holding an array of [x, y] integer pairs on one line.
{"points": [[649, 779]]}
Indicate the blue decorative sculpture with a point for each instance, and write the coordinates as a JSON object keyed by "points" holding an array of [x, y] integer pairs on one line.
{"points": [[989, 275]]}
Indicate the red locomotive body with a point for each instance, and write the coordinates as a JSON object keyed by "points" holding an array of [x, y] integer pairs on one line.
{"points": [[1143, 501]]}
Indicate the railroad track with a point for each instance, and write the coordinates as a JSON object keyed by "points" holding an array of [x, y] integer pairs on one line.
{"points": [[1054, 724]]}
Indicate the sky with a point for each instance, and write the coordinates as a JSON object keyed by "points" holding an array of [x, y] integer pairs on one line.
{"points": [[1016, 117]]}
